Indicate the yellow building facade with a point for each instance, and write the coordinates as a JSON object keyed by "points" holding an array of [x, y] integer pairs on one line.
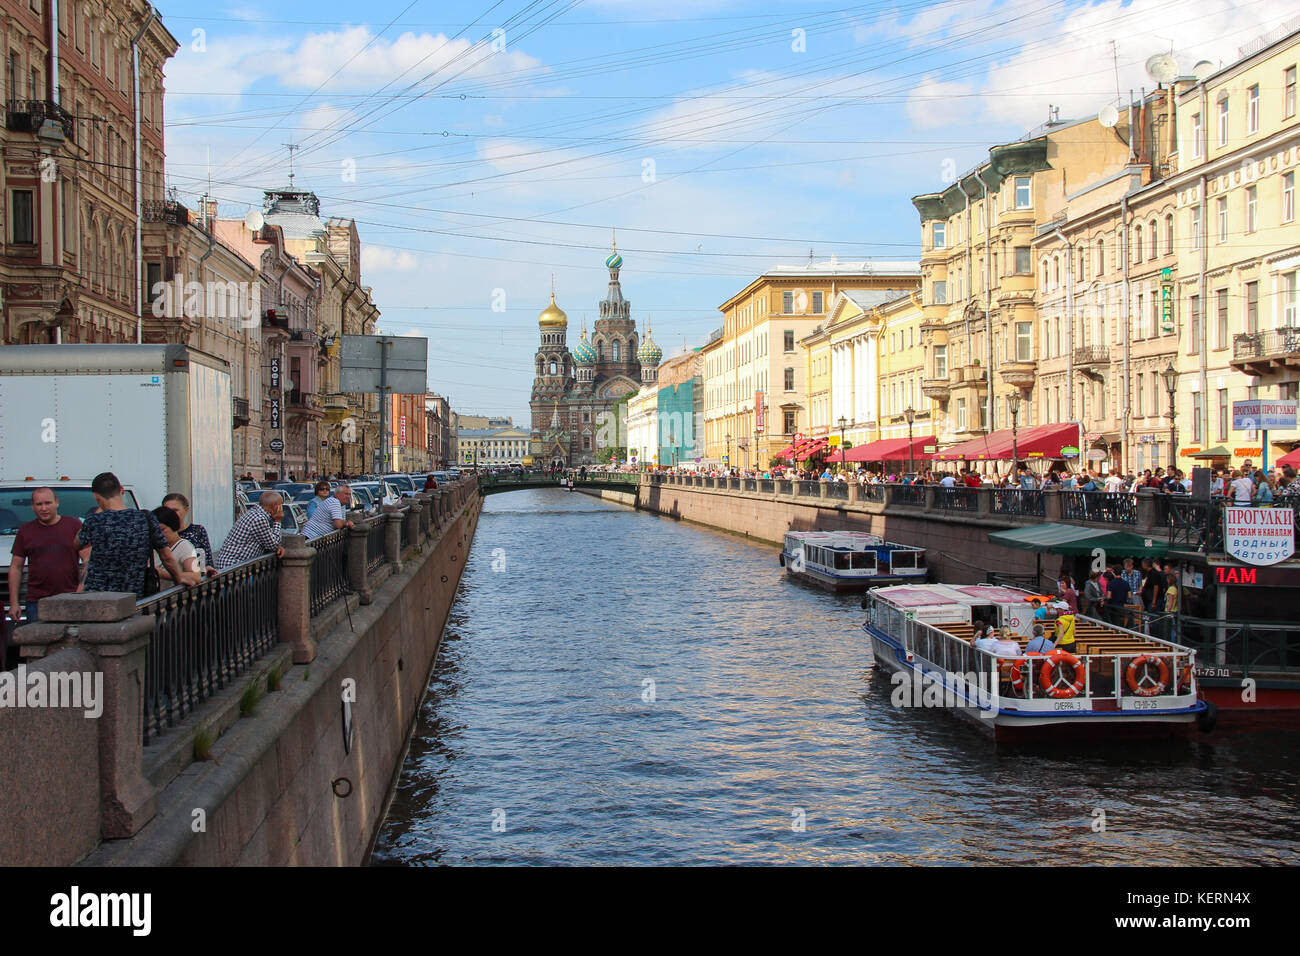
{"points": [[865, 366], [1237, 163], [756, 373]]}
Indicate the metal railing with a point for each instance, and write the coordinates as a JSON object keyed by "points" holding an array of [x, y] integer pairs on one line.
{"points": [[957, 499], [1266, 344], [1106, 507], [329, 569], [375, 543], [910, 496], [766, 486], [1092, 355], [835, 489], [1242, 647], [871, 492], [749, 484], [206, 636], [810, 489], [1018, 501]]}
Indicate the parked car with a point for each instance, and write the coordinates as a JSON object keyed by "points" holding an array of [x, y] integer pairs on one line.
{"points": [[294, 519], [381, 491], [363, 500], [403, 483]]}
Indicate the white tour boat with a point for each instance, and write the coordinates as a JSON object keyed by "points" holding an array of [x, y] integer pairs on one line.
{"points": [[1110, 678], [850, 560]]}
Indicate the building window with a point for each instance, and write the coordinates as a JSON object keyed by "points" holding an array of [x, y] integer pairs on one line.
{"points": [[1289, 300], [1196, 227], [1153, 240], [941, 361], [1101, 257], [1193, 341], [1223, 121], [1252, 306], [1024, 264], [939, 237], [1223, 218], [939, 291], [1137, 243], [1024, 200], [787, 303], [789, 340], [24, 222], [1024, 341], [1169, 234], [1288, 197], [1198, 408], [817, 302], [787, 420], [961, 415], [1196, 136], [1223, 414], [1252, 109], [552, 368], [1221, 316], [1288, 93], [1252, 208], [789, 380], [616, 350]]}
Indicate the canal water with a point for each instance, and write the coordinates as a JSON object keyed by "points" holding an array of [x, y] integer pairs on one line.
{"points": [[620, 688]]}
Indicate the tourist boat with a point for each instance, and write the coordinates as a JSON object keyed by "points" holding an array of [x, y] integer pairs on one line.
{"points": [[1115, 682], [850, 560]]}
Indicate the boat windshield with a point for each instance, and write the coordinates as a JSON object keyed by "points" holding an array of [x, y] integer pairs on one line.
{"points": [[864, 560]]}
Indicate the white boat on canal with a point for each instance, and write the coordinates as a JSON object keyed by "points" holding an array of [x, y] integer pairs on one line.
{"points": [[850, 560], [1110, 681]]}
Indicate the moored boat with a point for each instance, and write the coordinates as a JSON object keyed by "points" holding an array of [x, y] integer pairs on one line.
{"points": [[850, 560], [1110, 682]]}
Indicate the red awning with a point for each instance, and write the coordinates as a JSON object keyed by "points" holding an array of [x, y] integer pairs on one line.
{"points": [[812, 447], [1041, 441], [1290, 458], [785, 452], [892, 449]]}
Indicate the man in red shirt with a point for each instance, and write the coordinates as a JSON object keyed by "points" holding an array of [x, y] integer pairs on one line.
{"points": [[50, 544]]}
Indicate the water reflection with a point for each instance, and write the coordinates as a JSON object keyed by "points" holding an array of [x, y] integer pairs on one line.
{"points": [[765, 714]]}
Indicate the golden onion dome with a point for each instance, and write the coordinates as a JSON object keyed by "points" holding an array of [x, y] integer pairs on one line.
{"points": [[553, 316]]}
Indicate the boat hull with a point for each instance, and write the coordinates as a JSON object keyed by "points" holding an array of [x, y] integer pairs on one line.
{"points": [[849, 585]]}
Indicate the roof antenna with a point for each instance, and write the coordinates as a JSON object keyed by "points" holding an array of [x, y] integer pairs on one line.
{"points": [[291, 147]]}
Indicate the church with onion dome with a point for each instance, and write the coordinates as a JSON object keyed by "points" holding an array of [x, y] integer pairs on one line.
{"points": [[575, 389]]}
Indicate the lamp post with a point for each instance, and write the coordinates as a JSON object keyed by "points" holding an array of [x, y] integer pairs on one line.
{"points": [[910, 414], [1170, 376], [757, 466], [728, 461], [843, 423], [1013, 406]]}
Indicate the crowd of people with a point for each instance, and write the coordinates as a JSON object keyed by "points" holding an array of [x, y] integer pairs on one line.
{"points": [[1246, 485]]}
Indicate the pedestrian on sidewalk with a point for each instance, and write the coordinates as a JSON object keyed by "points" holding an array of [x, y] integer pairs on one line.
{"points": [[195, 534], [120, 539], [49, 543]]}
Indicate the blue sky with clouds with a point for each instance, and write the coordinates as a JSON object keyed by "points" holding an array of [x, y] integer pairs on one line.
{"points": [[485, 147]]}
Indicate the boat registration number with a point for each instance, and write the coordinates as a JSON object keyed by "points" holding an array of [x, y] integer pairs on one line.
{"points": [[1140, 703], [1069, 703]]}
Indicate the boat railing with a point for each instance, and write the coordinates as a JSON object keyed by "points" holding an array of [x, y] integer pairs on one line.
{"points": [[1106, 675]]}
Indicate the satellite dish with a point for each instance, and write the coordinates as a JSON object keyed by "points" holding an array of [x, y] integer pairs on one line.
{"points": [[1162, 68], [254, 220], [1203, 70], [1108, 117]]}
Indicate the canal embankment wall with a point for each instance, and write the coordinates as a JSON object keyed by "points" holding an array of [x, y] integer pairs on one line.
{"points": [[298, 756], [628, 498], [957, 544]]}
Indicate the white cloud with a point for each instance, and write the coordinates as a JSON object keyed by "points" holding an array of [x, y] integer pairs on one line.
{"points": [[379, 259], [934, 103]]}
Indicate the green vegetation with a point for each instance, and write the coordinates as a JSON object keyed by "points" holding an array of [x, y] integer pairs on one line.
{"points": [[204, 738], [251, 697]]}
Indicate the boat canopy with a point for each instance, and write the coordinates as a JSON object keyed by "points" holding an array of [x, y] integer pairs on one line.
{"points": [[1069, 539]]}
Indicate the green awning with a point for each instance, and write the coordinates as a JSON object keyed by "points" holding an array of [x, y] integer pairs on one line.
{"points": [[1218, 451], [1052, 538]]}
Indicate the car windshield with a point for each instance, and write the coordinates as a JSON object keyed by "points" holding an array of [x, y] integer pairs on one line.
{"points": [[16, 505], [401, 481]]}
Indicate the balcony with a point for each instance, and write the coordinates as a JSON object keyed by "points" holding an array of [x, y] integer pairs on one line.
{"points": [[1273, 355], [29, 116], [1091, 359], [935, 388], [1019, 374], [166, 211], [241, 412]]}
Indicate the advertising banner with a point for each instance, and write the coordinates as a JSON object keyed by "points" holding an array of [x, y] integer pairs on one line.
{"points": [[1259, 535]]}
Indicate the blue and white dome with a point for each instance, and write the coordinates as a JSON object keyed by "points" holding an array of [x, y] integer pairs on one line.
{"points": [[649, 353], [614, 261], [583, 352]]}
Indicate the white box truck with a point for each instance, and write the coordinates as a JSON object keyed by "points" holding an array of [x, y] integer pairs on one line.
{"points": [[160, 417]]}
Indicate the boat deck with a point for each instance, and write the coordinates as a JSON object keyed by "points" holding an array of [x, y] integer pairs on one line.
{"points": [[1090, 637]]}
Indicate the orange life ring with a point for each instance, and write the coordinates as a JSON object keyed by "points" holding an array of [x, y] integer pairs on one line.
{"points": [[1056, 689], [1020, 673], [1147, 690]]}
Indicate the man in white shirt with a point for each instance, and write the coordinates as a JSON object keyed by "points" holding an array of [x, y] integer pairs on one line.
{"points": [[948, 481], [1243, 490], [330, 514], [1114, 483]]}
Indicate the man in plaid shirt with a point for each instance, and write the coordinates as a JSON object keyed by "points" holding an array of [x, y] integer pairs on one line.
{"points": [[257, 532]]}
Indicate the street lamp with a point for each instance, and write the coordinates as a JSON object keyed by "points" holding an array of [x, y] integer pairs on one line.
{"points": [[1013, 406], [910, 414], [842, 423], [1170, 376], [728, 459], [757, 466]]}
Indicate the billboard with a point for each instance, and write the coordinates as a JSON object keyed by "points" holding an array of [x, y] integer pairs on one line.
{"points": [[1263, 414], [362, 362], [1259, 535]]}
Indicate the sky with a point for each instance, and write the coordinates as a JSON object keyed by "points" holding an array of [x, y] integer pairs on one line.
{"points": [[488, 150]]}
